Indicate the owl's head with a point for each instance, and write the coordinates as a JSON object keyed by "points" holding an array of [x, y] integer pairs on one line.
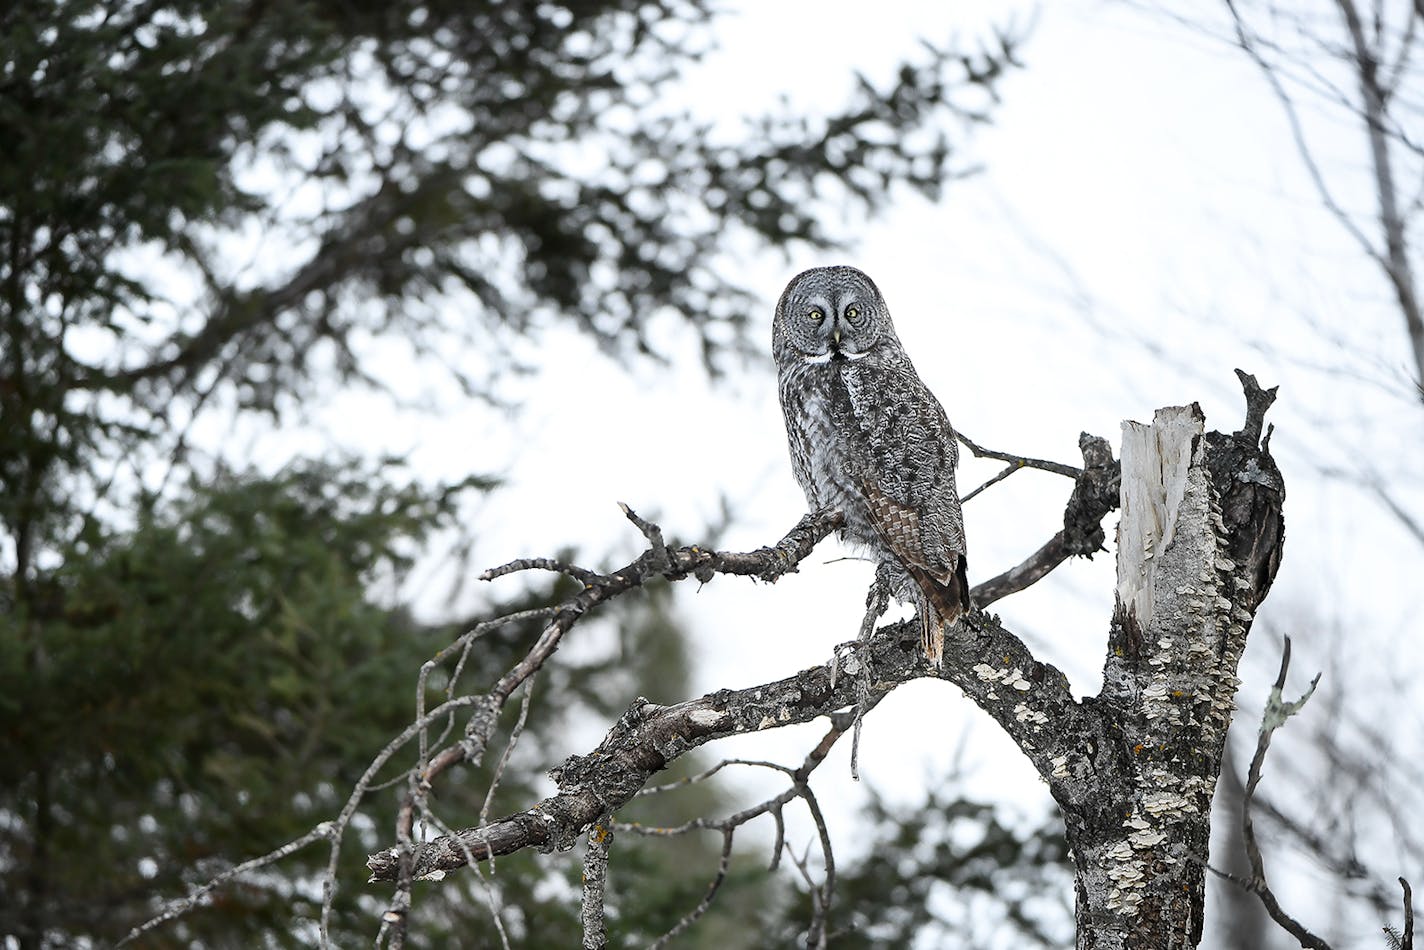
{"points": [[830, 313]]}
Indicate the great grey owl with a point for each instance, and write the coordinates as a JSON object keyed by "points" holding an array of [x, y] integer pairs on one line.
{"points": [[867, 437]]}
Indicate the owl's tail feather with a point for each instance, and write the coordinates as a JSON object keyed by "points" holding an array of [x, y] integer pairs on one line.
{"points": [[946, 601]]}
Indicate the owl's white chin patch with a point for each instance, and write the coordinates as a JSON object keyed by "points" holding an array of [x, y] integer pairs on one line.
{"points": [[832, 354]]}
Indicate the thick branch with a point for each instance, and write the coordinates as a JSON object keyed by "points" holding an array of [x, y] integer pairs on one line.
{"points": [[1198, 538], [990, 664], [1031, 571]]}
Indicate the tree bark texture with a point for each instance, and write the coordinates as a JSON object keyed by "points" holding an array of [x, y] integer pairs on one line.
{"points": [[1198, 545], [1133, 769]]}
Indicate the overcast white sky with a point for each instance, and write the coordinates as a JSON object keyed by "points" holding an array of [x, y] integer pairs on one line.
{"points": [[1138, 185]]}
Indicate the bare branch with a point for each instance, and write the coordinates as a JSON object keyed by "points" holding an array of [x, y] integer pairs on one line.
{"points": [[768, 564], [595, 876], [363, 787], [580, 574], [989, 663], [1404, 940], [816, 930], [1405, 517], [822, 896], [1005, 473], [687, 921], [1374, 89], [491, 893], [1018, 461], [321, 832], [1397, 259], [1095, 493], [1277, 712], [1248, 43], [876, 600], [1023, 575]]}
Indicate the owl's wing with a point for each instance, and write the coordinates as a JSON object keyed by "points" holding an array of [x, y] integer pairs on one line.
{"points": [[945, 587], [907, 468], [946, 591]]}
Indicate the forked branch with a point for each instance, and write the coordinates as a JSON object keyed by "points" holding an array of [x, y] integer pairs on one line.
{"points": [[993, 667]]}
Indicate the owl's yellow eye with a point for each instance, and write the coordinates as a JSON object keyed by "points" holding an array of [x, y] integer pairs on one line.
{"points": [[852, 313], [816, 316]]}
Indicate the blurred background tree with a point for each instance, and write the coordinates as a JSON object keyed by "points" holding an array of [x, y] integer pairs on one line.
{"points": [[227, 210], [947, 871]]}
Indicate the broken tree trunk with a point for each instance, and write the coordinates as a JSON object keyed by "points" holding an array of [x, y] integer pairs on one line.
{"points": [[1199, 541]]}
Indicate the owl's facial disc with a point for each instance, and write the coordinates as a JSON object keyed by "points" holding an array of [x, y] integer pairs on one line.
{"points": [[829, 316]]}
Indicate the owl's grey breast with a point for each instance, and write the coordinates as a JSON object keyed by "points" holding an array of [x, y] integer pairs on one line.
{"points": [[871, 425], [816, 404]]}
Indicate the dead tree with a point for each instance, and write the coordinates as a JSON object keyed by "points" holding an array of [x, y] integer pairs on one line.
{"points": [[1133, 769]]}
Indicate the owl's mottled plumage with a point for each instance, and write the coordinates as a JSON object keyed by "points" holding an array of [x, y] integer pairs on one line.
{"points": [[867, 437]]}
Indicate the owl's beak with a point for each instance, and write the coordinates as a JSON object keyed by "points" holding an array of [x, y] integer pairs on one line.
{"points": [[836, 336]]}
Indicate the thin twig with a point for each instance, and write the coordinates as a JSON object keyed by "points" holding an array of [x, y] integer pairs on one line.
{"points": [[178, 908], [1246, 884], [780, 839], [491, 894], [773, 806], [1008, 470], [462, 644], [1397, 259], [514, 735], [580, 574], [691, 917], [876, 600], [815, 930], [700, 776], [360, 790], [1248, 44], [1019, 461], [820, 919]]}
